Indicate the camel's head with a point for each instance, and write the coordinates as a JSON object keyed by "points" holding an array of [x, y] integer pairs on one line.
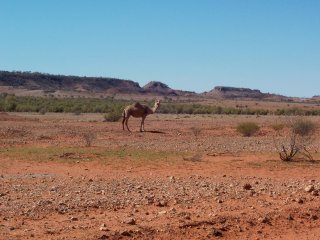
{"points": [[157, 103]]}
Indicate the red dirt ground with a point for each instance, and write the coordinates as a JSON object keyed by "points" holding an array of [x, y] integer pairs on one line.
{"points": [[188, 178]]}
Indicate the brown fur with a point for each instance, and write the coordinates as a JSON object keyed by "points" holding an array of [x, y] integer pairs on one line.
{"points": [[138, 110]]}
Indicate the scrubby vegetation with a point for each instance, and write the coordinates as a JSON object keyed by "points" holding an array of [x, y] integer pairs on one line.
{"points": [[11, 103], [298, 141], [247, 129], [114, 116]]}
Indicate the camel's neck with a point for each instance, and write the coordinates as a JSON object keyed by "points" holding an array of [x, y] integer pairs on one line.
{"points": [[154, 109]]}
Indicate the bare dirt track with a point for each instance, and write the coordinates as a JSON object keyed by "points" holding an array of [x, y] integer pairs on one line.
{"points": [[189, 177]]}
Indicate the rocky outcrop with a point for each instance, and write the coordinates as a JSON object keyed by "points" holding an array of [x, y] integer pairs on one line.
{"points": [[159, 88], [48, 82]]}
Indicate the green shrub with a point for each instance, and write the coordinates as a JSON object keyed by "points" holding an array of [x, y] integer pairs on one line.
{"points": [[247, 129], [42, 111], [277, 127], [114, 116]]}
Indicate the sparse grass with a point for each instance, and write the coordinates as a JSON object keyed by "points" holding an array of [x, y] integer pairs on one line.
{"points": [[196, 131], [74, 154]]}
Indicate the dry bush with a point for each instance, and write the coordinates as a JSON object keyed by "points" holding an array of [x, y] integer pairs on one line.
{"points": [[195, 158], [88, 138], [196, 131], [247, 129], [297, 142], [113, 116]]}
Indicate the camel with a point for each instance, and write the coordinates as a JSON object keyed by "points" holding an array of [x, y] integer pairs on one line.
{"points": [[138, 110]]}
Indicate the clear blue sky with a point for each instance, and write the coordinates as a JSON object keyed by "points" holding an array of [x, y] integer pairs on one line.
{"points": [[271, 45]]}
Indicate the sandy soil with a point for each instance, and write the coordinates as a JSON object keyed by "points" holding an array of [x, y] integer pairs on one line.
{"points": [[187, 178]]}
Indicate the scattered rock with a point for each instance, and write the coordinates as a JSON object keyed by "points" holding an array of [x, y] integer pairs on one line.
{"points": [[130, 221], [172, 179], [299, 200], [309, 188], [264, 220], [216, 233], [103, 227], [314, 217], [290, 218], [162, 203], [125, 233], [104, 237], [162, 212]]}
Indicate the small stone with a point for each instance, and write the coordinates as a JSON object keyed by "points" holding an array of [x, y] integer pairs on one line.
{"points": [[130, 221], [161, 203], [103, 227], [315, 193], [162, 212], [314, 217], [309, 188], [172, 179], [74, 219], [125, 233], [299, 200], [216, 233], [264, 220], [290, 218], [103, 236], [219, 201]]}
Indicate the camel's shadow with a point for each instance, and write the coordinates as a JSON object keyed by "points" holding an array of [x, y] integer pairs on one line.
{"points": [[152, 131]]}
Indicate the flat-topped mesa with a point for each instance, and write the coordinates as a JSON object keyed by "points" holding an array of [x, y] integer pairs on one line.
{"points": [[234, 92], [235, 89]]}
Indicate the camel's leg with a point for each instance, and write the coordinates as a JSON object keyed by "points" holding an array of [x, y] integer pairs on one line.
{"points": [[126, 122], [123, 120], [142, 124]]}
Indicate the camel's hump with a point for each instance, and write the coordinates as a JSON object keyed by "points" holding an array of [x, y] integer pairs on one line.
{"points": [[137, 104]]}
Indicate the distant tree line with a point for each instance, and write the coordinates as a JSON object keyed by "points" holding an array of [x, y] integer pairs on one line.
{"points": [[12, 103]]}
